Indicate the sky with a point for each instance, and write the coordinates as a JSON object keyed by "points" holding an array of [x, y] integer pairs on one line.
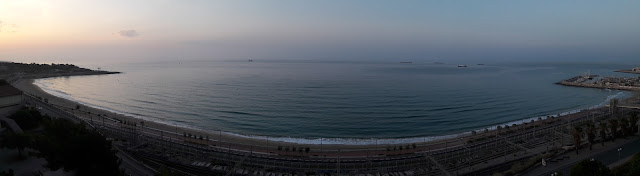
{"points": [[148, 30]]}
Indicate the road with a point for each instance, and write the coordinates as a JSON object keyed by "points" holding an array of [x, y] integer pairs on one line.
{"points": [[607, 155]]}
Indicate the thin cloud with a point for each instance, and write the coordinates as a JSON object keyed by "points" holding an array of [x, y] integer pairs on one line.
{"points": [[128, 33]]}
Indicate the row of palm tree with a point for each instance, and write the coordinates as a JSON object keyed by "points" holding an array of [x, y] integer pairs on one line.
{"points": [[525, 125], [622, 126]]}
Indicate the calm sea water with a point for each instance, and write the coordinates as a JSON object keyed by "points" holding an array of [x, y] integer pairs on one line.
{"points": [[342, 100]]}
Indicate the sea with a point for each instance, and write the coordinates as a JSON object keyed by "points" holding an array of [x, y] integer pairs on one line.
{"points": [[337, 102]]}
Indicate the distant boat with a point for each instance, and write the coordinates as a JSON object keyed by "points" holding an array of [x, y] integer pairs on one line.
{"points": [[462, 65], [438, 63], [250, 60], [480, 64], [406, 62]]}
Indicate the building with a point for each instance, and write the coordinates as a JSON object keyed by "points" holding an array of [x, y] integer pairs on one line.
{"points": [[10, 100], [9, 96]]}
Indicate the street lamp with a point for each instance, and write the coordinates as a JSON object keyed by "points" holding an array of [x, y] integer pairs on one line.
{"points": [[619, 150]]}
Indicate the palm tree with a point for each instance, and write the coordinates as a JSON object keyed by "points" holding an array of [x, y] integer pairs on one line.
{"points": [[591, 134], [577, 137], [624, 123], [603, 132], [633, 121], [613, 127]]}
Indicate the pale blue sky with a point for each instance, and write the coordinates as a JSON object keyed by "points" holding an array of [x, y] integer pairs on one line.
{"points": [[329, 30]]}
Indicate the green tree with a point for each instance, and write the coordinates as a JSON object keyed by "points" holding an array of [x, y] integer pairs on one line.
{"points": [[613, 127], [633, 120], [603, 132], [71, 146], [16, 141], [590, 168], [624, 123], [27, 118], [577, 137], [591, 134], [7, 173]]}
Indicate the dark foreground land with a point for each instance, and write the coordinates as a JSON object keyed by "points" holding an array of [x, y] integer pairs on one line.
{"points": [[62, 143]]}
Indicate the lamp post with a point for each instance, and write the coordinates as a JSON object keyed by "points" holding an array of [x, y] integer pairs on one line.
{"points": [[619, 150]]}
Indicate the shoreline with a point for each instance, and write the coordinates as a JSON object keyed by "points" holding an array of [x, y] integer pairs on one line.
{"points": [[628, 71], [30, 86]]}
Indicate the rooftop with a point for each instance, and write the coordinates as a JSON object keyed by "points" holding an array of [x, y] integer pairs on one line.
{"points": [[8, 90]]}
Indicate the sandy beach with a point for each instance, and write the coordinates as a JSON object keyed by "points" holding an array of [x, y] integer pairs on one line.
{"points": [[240, 142], [28, 87]]}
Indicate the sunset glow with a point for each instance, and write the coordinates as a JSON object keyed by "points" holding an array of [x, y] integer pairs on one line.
{"points": [[297, 30]]}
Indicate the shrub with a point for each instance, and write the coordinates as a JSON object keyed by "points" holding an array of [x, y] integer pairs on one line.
{"points": [[590, 168], [27, 118]]}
